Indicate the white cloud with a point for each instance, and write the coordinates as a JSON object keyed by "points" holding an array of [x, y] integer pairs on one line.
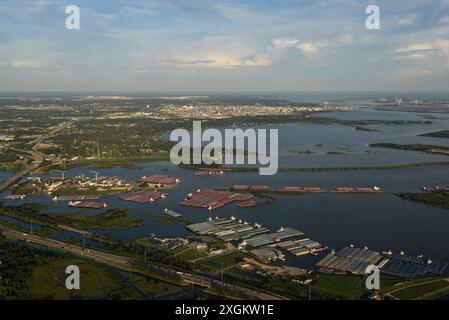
{"points": [[284, 43], [408, 21], [438, 48], [443, 20], [136, 12], [28, 63], [308, 49]]}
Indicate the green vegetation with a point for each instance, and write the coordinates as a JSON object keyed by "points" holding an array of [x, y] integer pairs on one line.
{"points": [[437, 134], [413, 147], [152, 286], [170, 220], [319, 169], [30, 273], [225, 261], [189, 253], [434, 199], [114, 218], [47, 281], [300, 152], [416, 291], [343, 286], [359, 128]]}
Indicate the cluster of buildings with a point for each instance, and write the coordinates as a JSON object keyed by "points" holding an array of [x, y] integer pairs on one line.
{"points": [[356, 261], [6, 138], [229, 111], [82, 182], [172, 243], [258, 241]]}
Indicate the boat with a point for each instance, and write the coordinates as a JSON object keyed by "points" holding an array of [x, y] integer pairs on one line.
{"points": [[15, 197]]}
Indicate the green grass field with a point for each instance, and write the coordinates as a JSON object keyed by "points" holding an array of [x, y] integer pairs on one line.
{"points": [[151, 286], [346, 287], [47, 281], [225, 261], [416, 291]]}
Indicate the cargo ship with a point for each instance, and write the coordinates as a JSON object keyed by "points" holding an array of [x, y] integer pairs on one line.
{"points": [[252, 203], [356, 190], [208, 172], [87, 205], [15, 197], [77, 198], [435, 189], [301, 189], [242, 187]]}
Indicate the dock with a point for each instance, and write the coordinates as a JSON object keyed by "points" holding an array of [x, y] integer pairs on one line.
{"points": [[271, 238], [356, 260], [226, 229], [352, 260]]}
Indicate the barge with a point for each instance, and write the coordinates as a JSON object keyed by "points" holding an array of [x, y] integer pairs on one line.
{"points": [[144, 196], [87, 205], [356, 190], [213, 199], [15, 197], [77, 198], [172, 213]]}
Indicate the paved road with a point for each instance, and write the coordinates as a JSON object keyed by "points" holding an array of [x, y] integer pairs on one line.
{"points": [[38, 157], [127, 264]]}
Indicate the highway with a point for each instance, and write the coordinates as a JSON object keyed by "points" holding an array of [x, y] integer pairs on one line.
{"points": [[129, 264], [38, 157]]}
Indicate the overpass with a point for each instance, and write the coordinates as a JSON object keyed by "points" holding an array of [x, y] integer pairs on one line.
{"points": [[38, 157]]}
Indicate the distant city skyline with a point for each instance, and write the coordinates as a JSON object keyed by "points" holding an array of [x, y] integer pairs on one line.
{"points": [[224, 46]]}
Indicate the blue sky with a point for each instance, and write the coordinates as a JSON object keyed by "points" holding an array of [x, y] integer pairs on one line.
{"points": [[224, 45]]}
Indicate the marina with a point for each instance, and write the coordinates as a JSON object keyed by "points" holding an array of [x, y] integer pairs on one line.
{"points": [[357, 260], [270, 238], [352, 260], [301, 247], [227, 229]]}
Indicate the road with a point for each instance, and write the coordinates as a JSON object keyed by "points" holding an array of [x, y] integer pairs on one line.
{"points": [[129, 264], [38, 157]]}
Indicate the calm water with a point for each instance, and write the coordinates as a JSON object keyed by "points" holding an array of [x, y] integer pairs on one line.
{"points": [[379, 221]]}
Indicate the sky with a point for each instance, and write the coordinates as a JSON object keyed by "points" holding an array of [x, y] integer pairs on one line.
{"points": [[224, 46]]}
